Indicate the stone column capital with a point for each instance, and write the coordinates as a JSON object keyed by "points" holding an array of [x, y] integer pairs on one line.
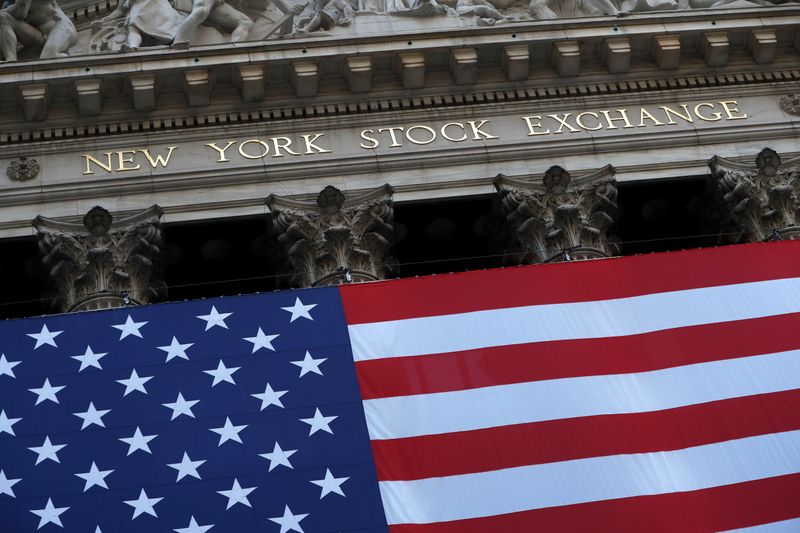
{"points": [[101, 262], [759, 201], [335, 238], [560, 217]]}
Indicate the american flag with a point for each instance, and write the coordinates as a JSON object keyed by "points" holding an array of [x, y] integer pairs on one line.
{"points": [[651, 393]]}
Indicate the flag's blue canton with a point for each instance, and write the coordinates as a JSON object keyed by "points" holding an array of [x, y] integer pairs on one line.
{"points": [[279, 444]]}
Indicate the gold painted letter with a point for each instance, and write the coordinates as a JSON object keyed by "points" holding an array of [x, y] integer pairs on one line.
{"points": [[731, 107], [89, 159], [714, 116], [250, 156], [476, 131], [221, 151], [366, 137], [563, 122], [685, 115], [121, 160], [623, 117], [310, 146], [532, 125], [579, 121], [159, 160]]}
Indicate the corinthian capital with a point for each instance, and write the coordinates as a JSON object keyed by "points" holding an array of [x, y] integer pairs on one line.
{"points": [[560, 218], [759, 201], [335, 239], [102, 262]]}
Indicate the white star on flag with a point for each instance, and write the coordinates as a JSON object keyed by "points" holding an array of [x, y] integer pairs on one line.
{"points": [[7, 423], [330, 484], [193, 527], [237, 494], [289, 521], [143, 504], [138, 441], [278, 457], [50, 514], [94, 476], [299, 310], [92, 416], [47, 392], [309, 364], [6, 484], [186, 467], [270, 397], [319, 422], [47, 450], [6, 366], [181, 407], [89, 358], [129, 328], [222, 373], [45, 337], [176, 349], [134, 383], [215, 318], [229, 432], [261, 341]]}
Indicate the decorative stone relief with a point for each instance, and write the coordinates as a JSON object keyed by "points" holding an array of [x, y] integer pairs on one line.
{"points": [[39, 25], [558, 220], [335, 239], [761, 202], [40, 28], [103, 262], [791, 104], [23, 169]]}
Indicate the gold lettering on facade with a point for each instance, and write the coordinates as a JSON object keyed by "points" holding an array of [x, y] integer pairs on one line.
{"points": [[563, 123], [714, 116], [374, 141], [579, 121], [282, 143], [159, 159], [107, 166], [685, 115], [391, 132], [312, 148], [477, 133], [623, 117], [122, 159], [731, 107], [645, 114], [431, 133], [221, 151], [463, 137], [246, 155]]}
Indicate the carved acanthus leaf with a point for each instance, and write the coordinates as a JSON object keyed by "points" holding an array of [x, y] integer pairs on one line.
{"points": [[560, 218], [760, 201], [335, 236], [101, 262]]}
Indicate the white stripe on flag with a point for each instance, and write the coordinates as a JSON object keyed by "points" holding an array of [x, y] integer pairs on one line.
{"points": [[784, 526], [606, 318], [520, 403], [587, 480]]}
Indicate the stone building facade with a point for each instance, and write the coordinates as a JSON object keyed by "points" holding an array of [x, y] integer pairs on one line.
{"points": [[324, 119]]}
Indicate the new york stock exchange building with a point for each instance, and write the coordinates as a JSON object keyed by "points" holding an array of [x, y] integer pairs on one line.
{"points": [[587, 194]]}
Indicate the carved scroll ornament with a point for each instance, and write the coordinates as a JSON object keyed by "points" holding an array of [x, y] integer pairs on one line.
{"points": [[558, 220], [759, 202], [102, 262], [335, 239]]}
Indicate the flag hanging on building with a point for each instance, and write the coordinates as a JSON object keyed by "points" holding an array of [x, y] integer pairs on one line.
{"points": [[651, 393]]}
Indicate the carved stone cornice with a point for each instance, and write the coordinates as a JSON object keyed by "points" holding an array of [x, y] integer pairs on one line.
{"points": [[760, 202], [335, 239], [561, 218], [102, 262]]}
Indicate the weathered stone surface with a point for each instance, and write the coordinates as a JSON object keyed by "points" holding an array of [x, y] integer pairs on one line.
{"points": [[23, 169], [761, 202], [335, 239], [102, 262], [558, 220]]}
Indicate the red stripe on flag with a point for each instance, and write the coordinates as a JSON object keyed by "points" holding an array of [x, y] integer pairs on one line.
{"points": [[716, 509], [569, 282], [576, 438], [502, 365]]}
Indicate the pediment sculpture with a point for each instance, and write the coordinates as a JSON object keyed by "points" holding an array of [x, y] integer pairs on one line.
{"points": [[32, 29]]}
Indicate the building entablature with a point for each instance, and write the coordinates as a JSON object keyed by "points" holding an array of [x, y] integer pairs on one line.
{"points": [[360, 72]]}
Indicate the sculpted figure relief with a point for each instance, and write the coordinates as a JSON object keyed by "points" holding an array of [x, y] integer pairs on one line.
{"points": [[35, 24], [41, 28]]}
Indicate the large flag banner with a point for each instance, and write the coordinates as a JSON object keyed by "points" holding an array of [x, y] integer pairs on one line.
{"points": [[640, 394]]}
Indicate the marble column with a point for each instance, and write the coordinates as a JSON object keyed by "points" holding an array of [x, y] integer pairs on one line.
{"points": [[102, 262], [335, 239], [758, 202], [559, 218]]}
